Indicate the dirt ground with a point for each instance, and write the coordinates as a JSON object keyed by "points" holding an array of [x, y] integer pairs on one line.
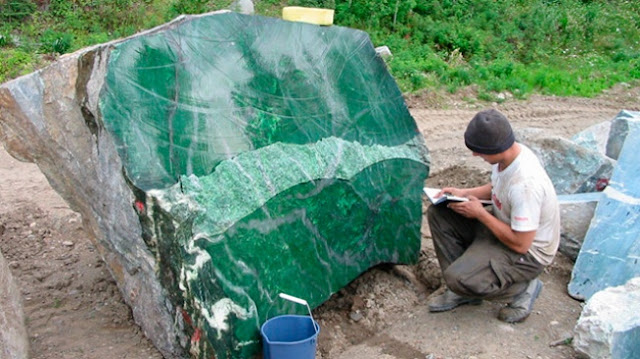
{"points": [[74, 309]]}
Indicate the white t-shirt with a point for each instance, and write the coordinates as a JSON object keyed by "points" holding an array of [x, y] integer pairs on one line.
{"points": [[524, 197]]}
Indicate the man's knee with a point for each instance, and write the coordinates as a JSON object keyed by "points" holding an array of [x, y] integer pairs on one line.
{"points": [[464, 283], [455, 282]]}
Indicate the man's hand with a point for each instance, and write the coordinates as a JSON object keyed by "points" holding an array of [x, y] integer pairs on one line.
{"points": [[518, 241], [482, 192], [470, 209], [454, 191]]}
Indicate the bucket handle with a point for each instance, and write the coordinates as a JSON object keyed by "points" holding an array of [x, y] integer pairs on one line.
{"points": [[299, 301]]}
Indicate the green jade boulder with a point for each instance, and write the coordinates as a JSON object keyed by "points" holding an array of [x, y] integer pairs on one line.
{"points": [[266, 157]]}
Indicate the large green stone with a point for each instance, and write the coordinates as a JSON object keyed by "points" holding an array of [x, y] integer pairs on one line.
{"points": [[267, 156]]}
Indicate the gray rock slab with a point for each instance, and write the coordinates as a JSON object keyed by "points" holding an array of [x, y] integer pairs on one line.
{"points": [[45, 121], [618, 132], [610, 254], [243, 6], [576, 212], [609, 325], [383, 51], [14, 343], [572, 167], [594, 137]]}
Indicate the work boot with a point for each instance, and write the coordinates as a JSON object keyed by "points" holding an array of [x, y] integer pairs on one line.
{"points": [[522, 304], [449, 300]]}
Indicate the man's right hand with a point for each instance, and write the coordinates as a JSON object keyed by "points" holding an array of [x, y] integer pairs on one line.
{"points": [[472, 208]]}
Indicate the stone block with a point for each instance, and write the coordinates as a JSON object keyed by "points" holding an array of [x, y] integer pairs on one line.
{"points": [[609, 254], [243, 6], [571, 167], [594, 137], [609, 325], [383, 51], [14, 342], [576, 212], [222, 159], [618, 132]]}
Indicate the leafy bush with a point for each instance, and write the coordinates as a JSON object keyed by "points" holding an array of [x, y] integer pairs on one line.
{"points": [[192, 6], [61, 8], [5, 39], [55, 42], [16, 10]]}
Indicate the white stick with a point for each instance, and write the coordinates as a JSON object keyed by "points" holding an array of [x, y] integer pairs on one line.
{"points": [[293, 299]]}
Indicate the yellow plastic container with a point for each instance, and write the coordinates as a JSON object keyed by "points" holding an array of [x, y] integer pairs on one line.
{"points": [[308, 14]]}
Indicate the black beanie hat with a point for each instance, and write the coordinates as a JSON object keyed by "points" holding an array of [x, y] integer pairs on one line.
{"points": [[489, 133]]}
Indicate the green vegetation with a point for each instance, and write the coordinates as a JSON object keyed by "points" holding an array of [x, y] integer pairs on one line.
{"points": [[560, 47]]}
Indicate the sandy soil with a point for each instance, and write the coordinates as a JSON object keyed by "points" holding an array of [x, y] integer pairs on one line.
{"points": [[74, 309]]}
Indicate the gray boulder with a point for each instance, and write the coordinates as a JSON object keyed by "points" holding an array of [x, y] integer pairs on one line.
{"points": [[576, 212], [594, 137], [572, 167], [243, 7], [619, 131], [14, 343], [609, 326]]}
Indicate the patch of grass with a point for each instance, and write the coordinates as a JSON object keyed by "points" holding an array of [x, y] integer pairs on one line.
{"points": [[15, 62], [565, 48], [55, 42]]}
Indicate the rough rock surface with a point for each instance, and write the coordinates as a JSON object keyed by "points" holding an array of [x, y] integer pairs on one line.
{"points": [[576, 212], [594, 137], [221, 159], [609, 326], [618, 132], [46, 120], [14, 342], [609, 254], [572, 167]]}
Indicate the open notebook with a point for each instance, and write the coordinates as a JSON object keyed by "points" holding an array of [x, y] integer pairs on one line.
{"points": [[447, 197]]}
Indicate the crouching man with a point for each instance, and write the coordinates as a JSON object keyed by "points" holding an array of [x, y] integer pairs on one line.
{"points": [[497, 253]]}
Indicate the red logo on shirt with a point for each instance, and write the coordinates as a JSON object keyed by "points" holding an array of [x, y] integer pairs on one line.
{"points": [[518, 218], [496, 201]]}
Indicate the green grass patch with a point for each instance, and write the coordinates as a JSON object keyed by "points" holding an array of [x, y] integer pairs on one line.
{"points": [[564, 48], [15, 62]]}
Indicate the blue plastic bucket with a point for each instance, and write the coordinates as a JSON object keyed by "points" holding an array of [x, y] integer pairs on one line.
{"points": [[290, 337]]}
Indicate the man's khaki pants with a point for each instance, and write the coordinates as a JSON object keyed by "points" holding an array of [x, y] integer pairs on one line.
{"points": [[474, 262]]}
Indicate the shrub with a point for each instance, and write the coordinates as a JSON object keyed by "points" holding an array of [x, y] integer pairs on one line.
{"points": [[16, 10], [5, 39], [190, 6], [61, 8], [55, 42], [634, 68]]}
